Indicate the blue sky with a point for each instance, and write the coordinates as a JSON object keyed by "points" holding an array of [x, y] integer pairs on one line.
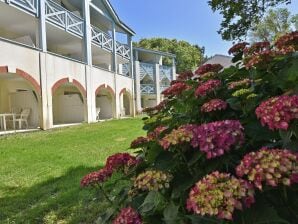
{"points": [[190, 20]]}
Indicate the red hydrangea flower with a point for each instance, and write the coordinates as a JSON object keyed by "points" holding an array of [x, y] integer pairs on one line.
{"points": [[219, 194], [128, 216], [218, 137], [260, 58], [277, 112], [257, 48], [269, 166], [121, 160], [115, 162], [176, 89], [207, 87], [185, 76], [139, 142], [238, 48], [208, 68], [288, 42], [96, 177], [177, 136], [154, 135], [214, 105]]}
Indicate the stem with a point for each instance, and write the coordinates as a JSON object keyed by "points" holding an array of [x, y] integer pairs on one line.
{"points": [[186, 163], [105, 195]]}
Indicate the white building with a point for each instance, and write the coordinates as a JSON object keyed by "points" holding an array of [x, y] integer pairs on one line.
{"points": [[71, 61]]}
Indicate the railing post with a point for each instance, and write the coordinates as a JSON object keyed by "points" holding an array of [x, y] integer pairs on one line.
{"points": [[42, 26], [157, 84]]}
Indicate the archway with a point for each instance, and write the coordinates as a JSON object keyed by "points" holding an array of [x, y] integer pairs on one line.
{"points": [[69, 102], [125, 103], [19, 95], [105, 103]]}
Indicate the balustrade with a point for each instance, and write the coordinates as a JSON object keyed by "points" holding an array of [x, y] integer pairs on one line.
{"points": [[30, 6], [147, 88], [61, 17]]}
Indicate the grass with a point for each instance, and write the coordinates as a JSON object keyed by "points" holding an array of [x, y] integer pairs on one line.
{"points": [[40, 172]]}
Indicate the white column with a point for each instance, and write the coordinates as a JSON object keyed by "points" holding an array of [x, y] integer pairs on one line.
{"points": [[157, 84], [46, 94], [87, 33], [114, 62], [42, 43], [132, 75], [138, 86], [174, 69]]}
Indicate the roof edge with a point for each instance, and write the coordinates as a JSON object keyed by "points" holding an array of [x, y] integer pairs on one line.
{"points": [[155, 52]]}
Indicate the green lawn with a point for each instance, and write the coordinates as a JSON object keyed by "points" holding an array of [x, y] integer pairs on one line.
{"points": [[40, 172]]}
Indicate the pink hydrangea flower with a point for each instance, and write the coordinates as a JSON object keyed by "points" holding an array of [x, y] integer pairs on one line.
{"points": [[207, 87], [176, 89], [219, 194], [238, 48], [128, 216], [214, 105], [155, 135], [139, 142], [96, 177], [241, 83], [208, 68], [121, 160], [216, 138], [288, 42], [269, 166], [277, 112]]}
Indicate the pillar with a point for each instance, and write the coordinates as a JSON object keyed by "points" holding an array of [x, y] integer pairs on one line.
{"points": [[157, 84]]}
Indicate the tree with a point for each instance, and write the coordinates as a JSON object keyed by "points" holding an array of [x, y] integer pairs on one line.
{"points": [[295, 21], [275, 24], [239, 16], [188, 56]]}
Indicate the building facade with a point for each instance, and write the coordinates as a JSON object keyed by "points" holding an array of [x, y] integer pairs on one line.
{"points": [[68, 61]]}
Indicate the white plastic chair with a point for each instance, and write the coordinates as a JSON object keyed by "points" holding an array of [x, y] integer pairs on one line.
{"points": [[97, 113], [23, 118]]}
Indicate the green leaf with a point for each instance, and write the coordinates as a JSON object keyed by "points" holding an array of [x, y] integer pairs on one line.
{"points": [[171, 214], [153, 202]]}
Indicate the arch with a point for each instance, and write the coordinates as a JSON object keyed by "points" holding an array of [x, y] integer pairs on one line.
{"points": [[69, 102], [104, 86], [26, 76], [20, 94], [75, 82], [105, 102], [125, 102]]}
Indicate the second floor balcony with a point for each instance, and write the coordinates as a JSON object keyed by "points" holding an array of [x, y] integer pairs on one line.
{"points": [[65, 30]]}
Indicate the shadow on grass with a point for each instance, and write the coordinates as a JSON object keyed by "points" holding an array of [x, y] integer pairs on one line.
{"points": [[58, 200]]}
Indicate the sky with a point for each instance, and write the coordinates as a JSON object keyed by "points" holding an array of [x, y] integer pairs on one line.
{"points": [[189, 20]]}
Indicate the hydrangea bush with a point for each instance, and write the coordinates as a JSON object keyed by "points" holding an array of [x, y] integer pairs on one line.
{"points": [[221, 148]]}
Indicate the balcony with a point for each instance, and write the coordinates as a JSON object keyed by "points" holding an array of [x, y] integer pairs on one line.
{"points": [[147, 89], [101, 39], [30, 6], [59, 16], [123, 50]]}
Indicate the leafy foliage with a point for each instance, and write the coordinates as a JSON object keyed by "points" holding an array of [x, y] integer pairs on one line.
{"points": [[239, 16], [222, 165], [188, 56], [275, 24]]}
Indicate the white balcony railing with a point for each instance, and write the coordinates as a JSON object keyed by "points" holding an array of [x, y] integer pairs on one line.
{"points": [[147, 69], [126, 70], [30, 6], [61, 17], [165, 72], [147, 88], [123, 50], [101, 39]]}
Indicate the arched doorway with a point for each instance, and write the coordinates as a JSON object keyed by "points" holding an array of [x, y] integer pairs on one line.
{"points": [[69, 103], [105, 103], [125, 103], [19, 95]]}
